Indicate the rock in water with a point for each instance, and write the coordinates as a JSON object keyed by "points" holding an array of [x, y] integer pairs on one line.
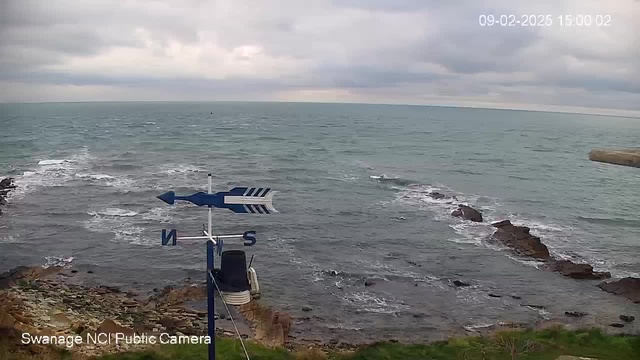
{"points": [[628, 287], [577, 271], [460, 283], [577, 314], [437, 195], [7, 183], [519, 239], [468, 213], [627, 318]]}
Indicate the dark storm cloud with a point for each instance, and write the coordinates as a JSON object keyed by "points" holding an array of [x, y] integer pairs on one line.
{"points": [[406, 50]]}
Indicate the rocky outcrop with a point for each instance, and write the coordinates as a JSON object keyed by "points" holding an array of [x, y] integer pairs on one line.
{"points": [[577, 271], [467, 213], [6, 185], [271, 327], [520, 240], [628, 287]]}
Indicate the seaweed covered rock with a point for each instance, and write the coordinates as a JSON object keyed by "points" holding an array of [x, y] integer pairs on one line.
{"points": [[520, 240]]}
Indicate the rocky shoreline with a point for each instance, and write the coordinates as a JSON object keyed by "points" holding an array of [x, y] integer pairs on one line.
{"points": [[45, 302], [42, 302]]}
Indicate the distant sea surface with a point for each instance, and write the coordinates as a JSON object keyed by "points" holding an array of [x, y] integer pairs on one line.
{"points": [[354, 184]]}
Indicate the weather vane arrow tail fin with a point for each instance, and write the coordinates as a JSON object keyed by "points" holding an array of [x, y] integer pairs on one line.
{"points": [[253, 200]]}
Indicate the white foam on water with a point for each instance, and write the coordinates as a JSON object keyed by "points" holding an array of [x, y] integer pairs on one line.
{"points": [[543, 313], [368, 302], [58, 261], [158, 214], [341, 326], [50, 172], [51, 162], [180, 169], [94, 176], [8, 239], [121, 223], [473, 327], [114, 212]]}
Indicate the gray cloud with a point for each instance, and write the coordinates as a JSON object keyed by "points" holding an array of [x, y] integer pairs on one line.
{"points": [[412, 51]]}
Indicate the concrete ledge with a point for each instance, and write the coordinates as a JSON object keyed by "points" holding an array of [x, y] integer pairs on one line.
{"points": [[626, 157]]}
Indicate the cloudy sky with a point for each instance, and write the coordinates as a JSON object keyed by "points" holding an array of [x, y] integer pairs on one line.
{"points": [[373, 51]]}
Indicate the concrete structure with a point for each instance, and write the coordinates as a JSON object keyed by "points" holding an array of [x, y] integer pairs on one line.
{"points": [[627, 157]]}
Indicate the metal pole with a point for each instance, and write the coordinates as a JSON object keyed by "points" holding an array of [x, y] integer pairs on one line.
{"points": [[211, 308], [210, 233], [211, 300]]}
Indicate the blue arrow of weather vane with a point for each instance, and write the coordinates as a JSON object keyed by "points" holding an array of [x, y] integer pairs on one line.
{"points": [[238, 199]]}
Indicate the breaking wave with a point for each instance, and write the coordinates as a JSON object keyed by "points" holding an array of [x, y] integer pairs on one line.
{"points": [[51, 172]]}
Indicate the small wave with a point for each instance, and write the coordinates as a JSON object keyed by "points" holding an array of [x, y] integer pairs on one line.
{"points": [[95, 176], [114, 212], [543, 313], [367, 302], [393, 180], [52, 162], [8, 239], [57, 261], [181, 169], [342, 327], [472, 328]]}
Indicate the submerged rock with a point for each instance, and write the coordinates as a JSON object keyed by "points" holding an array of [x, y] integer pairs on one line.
{"points": [[459, 283], [628, 287], [627, 318], [577, 271], [437, 195], [467, 213], [576, 314], [519, 239]]}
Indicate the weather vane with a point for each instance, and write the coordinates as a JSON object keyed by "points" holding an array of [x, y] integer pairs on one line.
{"points": [[235, 285]]}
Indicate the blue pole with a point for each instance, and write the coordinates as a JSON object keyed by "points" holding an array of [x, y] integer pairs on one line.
{"points": [[210, 302]]}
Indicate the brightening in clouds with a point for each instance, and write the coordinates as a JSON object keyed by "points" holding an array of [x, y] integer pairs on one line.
{"points": [[372, 51]]}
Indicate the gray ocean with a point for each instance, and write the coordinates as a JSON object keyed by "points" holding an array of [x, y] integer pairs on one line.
{"points": [[353, 184]]}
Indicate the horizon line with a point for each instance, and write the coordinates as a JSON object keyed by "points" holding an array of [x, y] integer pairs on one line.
{"points": [[481, 107]]}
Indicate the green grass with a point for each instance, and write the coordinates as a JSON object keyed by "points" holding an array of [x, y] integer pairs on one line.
{"points": [[526, 345]]}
